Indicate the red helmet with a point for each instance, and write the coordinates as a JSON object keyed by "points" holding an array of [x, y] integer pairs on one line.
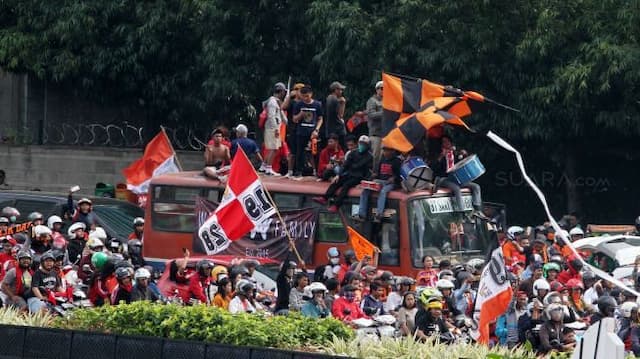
{"points": [[557, 286], [575, 284]]}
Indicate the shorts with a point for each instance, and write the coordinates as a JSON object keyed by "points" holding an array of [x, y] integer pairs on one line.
{"points": [[271, 141]]}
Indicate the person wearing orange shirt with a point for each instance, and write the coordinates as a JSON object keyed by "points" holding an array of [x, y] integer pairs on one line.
{"points": [[513, 249]]}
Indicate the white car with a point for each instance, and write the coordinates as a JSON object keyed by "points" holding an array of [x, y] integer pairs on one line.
{"points": [[621, 248]]}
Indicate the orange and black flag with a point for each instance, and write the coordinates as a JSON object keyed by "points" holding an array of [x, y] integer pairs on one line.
{"points": [[412, 106]]}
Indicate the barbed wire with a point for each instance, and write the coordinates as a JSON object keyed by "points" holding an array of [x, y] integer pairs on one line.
{"points": [[123, 135]]}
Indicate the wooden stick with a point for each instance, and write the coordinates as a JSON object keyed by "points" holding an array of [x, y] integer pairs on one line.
{"points": [[292, 244]]}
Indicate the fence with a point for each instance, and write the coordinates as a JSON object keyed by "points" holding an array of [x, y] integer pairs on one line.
{"points": [[45, 343], [124, 135]]}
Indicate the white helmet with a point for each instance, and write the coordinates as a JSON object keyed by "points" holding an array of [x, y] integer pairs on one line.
{"points": [[94, 242], [513, 231], [576, 231], [444, 284], [138, 220], [142, 273], [626, 308], [540, 284], [98, 233], [41, 230], [53, 220], [74, 227], [314, 287]]}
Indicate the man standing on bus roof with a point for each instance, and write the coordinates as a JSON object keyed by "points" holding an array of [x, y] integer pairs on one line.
{"points": [[445, 162], [356, 168], [308, 116], [275, 117]]}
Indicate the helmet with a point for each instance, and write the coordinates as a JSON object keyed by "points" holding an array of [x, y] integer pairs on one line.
{"points": [[41, 230], [217, 271], [123, 272], [444, 284], [244, 286], [74, 227], [540, 284], [53, 220], [406, 281], [607, 305], [203, 264], [588, 275], [553, 297], [98, 233], [10, 212], [94, 243], [314, 287], [238, 269], [4, 220], [476, 264], [333, 252], [25, 253], [47, 255], [58, 255], [552, 308], [349, 254], [84, 200], [434, 304], [428, 293], [576, 231], [576, 264], [138, 221], [550, 266], [142, 273], [575, 284], [134, 243], [626, 308], [34, 216], [513, 231], [445, 273], [99, 259]]}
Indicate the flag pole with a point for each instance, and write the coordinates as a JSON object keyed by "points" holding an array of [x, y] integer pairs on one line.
{"points": [[175, 155], [292, 244]]}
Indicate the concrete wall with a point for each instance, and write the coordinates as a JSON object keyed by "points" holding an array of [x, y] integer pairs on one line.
{"points": [[57, 168]]}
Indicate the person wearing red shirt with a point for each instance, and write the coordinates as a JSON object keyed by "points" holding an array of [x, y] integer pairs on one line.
{"points": [[345, 307], [330, 158], [200, 281], [574, 266], [6, 254]]}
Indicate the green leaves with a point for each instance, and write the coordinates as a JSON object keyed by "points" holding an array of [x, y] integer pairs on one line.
{"points": [[204, 323]]}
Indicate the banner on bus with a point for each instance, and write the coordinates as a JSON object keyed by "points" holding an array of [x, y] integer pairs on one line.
{"points": [[268, 239]]}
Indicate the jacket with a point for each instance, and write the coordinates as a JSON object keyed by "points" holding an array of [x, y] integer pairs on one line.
{"points": [[325, 158], [310, 309], [358, 164], [346, 311], [197, 287], [374, 115]]}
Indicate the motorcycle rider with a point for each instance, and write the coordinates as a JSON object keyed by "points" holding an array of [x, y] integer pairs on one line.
{"points": [[138, 229], [45, 282], [141, 290], [371, 303], [429, 320], [606, 308], [244, 302], [124, 289], [574, 266], [345, 308], [77, 240], [83, 213], [283, 281], [98, 289], [134, 250], [395, 298], [18, 280], [449, 308], [41, 239], [316, 307], [551, 330], [329, 270], [55, 224], [200, 281], [540, 289]]}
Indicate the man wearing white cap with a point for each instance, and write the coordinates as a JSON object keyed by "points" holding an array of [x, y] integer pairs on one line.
{"points": [[374, 122], [356, 168]]}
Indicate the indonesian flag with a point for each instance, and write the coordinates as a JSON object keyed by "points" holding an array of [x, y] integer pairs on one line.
{"points": [[158, 158], [493, 297], [243, 206]]}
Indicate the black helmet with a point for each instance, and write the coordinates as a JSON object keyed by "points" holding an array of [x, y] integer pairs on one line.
{"points": [[607, 305], [349, 254], [123, 272], [244, 287], [25, 253], [576, 264], [58, 254], [239, 269], [203, 264], [588, 275]]}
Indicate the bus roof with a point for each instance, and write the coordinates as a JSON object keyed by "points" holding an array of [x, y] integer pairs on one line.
{"points": [[307, 185]]}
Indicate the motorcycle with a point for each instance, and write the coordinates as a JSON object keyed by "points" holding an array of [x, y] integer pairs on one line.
{"points": [[376, 328]]}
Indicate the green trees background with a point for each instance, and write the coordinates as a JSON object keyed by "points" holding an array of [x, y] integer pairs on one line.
{"points": [[571, 66]]}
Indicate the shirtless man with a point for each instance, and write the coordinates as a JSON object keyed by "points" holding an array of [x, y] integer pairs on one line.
{"points": [[217, 154]]}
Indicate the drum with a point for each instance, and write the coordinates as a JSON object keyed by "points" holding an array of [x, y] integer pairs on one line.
{"points": [[466, 170], [415, 174], [371, 185]]}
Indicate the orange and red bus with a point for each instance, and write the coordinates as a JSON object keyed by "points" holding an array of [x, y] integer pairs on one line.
{"points": [[419, 223]]}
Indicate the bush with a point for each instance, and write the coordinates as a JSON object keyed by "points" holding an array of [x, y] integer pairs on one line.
{"points": [[11, 316], [202, 323]]}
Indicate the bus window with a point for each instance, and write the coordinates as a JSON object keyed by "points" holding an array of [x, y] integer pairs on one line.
{"points": [[286, 201], [438, 231], [384, 235], [174, 208], [214, 195], [330, 228]]}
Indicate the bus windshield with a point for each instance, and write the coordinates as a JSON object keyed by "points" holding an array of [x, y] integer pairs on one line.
{"points": [[436, 230]]}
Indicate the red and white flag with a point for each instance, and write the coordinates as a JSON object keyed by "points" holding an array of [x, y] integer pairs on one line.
{"points": [[493, 297], [158, 158], [244, 205]]}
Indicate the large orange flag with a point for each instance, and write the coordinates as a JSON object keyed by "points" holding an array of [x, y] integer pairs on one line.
{"points": [[361, 246]]}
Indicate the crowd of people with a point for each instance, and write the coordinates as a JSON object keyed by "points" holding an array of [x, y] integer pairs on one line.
{"points": [[554, 298]]}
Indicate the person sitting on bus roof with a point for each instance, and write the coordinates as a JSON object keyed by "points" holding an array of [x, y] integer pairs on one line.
{"points": [[388, 175], [248, 145], [356, 168], [330, 159], [217, 154], [444, 163]]}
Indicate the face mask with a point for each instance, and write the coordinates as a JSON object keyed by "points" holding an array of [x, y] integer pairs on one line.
{"points": [[350, 296], [362, 148], [334, 261]]}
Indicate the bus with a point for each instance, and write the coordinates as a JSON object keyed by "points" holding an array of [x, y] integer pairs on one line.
{"points": [[416, 223]]}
